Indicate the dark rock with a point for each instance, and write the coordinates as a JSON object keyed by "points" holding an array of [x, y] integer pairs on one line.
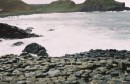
{"points": [[29, 29], [42, 75], [116, 82], [18, 43], [21, 82], [115, 73], [35, 48], [51, 30], [78, 75], [13, 32], [98, 77], [127, 78], [42, 53], [103, 5], [74, 82], [128, 69], [102, 53], [24, 54]]}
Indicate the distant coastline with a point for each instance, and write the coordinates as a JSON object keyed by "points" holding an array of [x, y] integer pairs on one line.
{"points": [[63, 6]]}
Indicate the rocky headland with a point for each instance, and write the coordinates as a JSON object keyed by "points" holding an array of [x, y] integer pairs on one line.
{"points": [[87, 6], [34, 66], [13, 6], [102, 5], [13, 32], [18, 7]]}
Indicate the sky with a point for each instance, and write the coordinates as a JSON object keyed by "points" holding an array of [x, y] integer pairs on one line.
{"points": [[77, 1]]}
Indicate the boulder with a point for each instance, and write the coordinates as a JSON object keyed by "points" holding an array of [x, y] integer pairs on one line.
{"points": [[35, 48], [114, 73], [51, 30], [13, 32], [53, 73], [18, 43]]}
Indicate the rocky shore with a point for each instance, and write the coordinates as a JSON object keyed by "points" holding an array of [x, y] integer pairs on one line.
{"points": [[13, 32], [34, 66], [102, 67]]}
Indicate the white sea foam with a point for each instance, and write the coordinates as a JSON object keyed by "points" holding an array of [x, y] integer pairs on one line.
{"points": [[73, 32]]}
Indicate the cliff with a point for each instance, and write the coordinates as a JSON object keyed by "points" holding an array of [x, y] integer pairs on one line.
{"points": [[61, 6], [13, 6], [88, 5], [102, 5], [18, 7]]}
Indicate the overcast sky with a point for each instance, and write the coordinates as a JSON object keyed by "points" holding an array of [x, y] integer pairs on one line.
{"points": [[77, 1]]}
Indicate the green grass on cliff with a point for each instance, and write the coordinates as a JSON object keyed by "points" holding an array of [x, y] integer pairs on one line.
{"points": [[13, 5], [100, 5], [17, 7]]}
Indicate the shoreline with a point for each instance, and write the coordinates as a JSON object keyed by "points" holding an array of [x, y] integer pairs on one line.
{"points": [[28, 69], [3, 15]]}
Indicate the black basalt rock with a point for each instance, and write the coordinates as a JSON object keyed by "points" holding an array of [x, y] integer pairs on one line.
{"points": [[13, 32], [35, 48]]}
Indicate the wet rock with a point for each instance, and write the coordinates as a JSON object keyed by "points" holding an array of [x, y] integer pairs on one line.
{"points": [[115, 81], [78, 74], [18, 43], [54, 72], [128, 64], [115, 73], [98, 82], [74, 82], [128, 69], [29, 29], [51, 30], [127, 78], [16, 72], [62, 70], [35, 48], [13, 32], [98, 77], [103, 62], [21, 82], [102, 70], [41, 75], [52, 65], [42, 53], [90, 66]]}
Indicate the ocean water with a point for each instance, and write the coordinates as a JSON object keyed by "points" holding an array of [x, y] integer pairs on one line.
{"points": [[73, 32]]}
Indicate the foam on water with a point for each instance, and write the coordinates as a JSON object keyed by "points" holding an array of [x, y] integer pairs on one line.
{"points": [[73, 32]]}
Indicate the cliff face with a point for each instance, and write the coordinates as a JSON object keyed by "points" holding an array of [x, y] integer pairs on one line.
{"points": [[13, 5], [88, 5], [102, 5], [67, 3], [61, 5]]}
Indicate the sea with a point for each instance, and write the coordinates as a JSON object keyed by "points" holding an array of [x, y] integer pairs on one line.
{"points": [[69, 33]]}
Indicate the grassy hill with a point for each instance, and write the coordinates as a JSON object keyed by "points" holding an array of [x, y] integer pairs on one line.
{"points": [[13, 6], [102, 5], [88, 5], [56, 6], [61, 5], [18, 7]]}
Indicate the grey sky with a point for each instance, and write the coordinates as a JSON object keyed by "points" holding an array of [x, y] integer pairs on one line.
{"points": [[77, 1]]}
